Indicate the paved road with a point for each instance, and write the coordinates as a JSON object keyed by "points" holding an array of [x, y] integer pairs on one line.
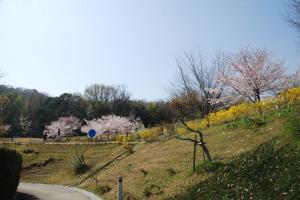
{"points": [[32, 191]]}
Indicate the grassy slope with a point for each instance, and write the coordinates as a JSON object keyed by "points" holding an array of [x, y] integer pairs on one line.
{"points": [[159, 158], [60, 170], [166, 165], [269, 172]]}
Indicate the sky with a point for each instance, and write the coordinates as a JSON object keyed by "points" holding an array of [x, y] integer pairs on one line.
{"points": [[58, 46]]}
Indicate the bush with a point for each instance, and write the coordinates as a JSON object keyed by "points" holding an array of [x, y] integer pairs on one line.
{"points": [[10, 167], [29, 151], [150, 134], [250, 123], [129, 196], [79, 166], [152, 190], [129, 148], [145, 172], [102, 189], [212, 166], [171, 172]]}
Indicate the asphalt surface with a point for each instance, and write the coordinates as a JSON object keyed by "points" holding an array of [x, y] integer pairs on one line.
{"points": [[33, 191]]}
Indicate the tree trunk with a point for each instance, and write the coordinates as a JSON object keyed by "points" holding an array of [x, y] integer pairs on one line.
{"points": [[195, 150]]}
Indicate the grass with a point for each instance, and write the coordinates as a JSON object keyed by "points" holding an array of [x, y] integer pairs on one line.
{"points": [[243, 153], [269, 172], [59, 169], [155, 170]]}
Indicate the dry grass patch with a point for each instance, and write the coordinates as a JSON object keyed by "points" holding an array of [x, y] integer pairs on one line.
{"points": [[59, 170], [156, 170]]}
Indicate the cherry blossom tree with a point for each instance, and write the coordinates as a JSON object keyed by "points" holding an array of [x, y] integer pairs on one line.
{"points": [[113, 125], [63, 127], [253, 73]]}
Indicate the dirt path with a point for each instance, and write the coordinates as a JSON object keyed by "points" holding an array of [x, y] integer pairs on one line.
{"points": [[34, 191]]}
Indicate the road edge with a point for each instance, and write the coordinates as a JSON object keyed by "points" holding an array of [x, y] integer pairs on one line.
{"points": [[88, 194]]}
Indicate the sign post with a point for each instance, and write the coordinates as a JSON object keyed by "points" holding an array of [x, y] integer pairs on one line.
{"points": [[91, 134], [120, 189]]}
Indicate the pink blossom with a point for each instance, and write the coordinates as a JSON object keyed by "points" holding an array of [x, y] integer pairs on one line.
{"points": [[112, 125], [252, 73], [63, 127]]}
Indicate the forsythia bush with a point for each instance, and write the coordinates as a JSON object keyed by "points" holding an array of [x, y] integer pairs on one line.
{"points": [[291, 96], [288, 97], [150, 133], [123, 138]]}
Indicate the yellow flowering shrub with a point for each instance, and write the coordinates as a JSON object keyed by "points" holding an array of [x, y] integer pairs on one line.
{"points": [[288, 97], [150, 133], [235, 112], [123, 138], [291, 96]]}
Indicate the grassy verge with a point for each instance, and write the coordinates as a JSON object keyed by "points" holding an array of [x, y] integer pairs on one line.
{"points": [[269, 172], [243, 150], [156, 170], [53, 163]]}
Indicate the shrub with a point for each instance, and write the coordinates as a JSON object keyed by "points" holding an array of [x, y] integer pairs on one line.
{"points": [[102, 189], [150, 134], [79, 166], [152, 190], [171, 171], [249, 123], [129, 147], [10, 167], [29, 150], [212, 166], [129, 196], [145, 172], [123, 138]]}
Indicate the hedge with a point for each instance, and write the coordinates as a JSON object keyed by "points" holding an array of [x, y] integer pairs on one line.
{"points": [[10, 167]]}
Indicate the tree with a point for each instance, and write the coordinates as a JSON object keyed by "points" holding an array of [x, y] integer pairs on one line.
{"points": [[63, 127], [197, 93], [253, 73], [197, 80], [184, 110], [104, 99], [113, 125], [294, 14], [24, 123]]}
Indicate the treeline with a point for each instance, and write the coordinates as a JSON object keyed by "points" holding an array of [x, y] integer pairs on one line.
{"points": [[27, 111]]}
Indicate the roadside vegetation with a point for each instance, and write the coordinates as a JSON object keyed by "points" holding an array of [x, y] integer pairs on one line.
{"points": [[248, 151]]}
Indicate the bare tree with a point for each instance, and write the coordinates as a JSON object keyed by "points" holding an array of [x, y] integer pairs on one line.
{"points": [[185, 109], [196, 93], [104, 93], [100, 93], [294, 14], [197, 81]]}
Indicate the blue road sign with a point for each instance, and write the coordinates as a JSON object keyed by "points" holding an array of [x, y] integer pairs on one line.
{"points": [[92, 133]]}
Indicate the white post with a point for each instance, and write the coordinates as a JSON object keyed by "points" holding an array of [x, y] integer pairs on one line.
{"points": [[120, 188]]}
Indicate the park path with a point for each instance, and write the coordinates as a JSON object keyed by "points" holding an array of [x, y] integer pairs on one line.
{"points": [[35, 191]]}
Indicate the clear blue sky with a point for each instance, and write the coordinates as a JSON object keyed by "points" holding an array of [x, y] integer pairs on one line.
{"points": [[59, 46]]}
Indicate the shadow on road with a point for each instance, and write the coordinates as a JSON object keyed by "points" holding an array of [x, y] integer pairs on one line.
{"points": [[24, 196]]}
